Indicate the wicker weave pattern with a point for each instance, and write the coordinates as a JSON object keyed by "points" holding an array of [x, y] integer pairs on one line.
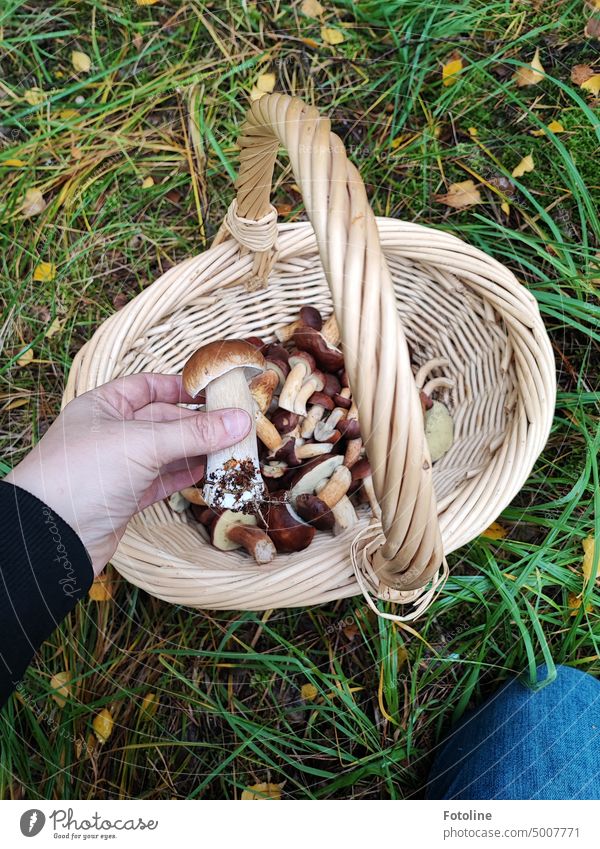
{"points": [[474, 332]]}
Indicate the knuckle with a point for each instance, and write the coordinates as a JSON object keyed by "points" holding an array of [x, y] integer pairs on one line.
{"points": [[208, 431]]}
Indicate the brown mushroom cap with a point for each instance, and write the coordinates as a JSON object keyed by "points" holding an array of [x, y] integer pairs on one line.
{"points": [[284, 420], [309, 474], [322, 400], [332, 385], [314, 511], [328, 358], [287, 530], [216, 359]]}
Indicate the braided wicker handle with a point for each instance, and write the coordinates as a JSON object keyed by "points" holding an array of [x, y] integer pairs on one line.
{"points": [[375, 349]]}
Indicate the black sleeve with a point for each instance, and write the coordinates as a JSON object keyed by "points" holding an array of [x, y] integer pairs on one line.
{"points": [[44, 571]]}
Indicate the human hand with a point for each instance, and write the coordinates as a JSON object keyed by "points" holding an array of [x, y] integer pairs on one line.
{"points": [[119, 448]]}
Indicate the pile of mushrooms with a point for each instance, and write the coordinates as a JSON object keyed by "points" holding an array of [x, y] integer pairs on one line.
{"points": [[302, 468]]}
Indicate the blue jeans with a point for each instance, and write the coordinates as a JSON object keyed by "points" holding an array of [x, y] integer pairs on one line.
{"points": [[522, 744]]}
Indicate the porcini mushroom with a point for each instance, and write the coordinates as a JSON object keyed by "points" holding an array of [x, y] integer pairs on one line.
{"points": [[308, 476], [313, 383], [330, 359], [232, 477], [286, 528], [309, 317], [301, 366], [234, 530], [318, 403]]}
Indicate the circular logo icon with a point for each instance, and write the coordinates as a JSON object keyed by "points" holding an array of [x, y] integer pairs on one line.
{"points": [[32, 822]]}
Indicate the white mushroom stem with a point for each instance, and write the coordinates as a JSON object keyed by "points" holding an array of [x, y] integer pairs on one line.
{"points": [[314, 415], [353, 453], [336, 487], [324, 429], [312, 383], [313, 449], [233, 474], [254, 540], [292, 385], [343, 510], [266, 431]]}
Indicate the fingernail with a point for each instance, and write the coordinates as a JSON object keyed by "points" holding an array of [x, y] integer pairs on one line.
{"points": [[236, 423]]}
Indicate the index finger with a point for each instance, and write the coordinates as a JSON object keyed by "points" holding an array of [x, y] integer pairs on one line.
{"points": [[134, 391]]}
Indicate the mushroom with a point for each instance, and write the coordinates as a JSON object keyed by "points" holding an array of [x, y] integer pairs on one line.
{"points": [[286, 528], [233, 530], [232, 477], [274, 469], [301, 366], [325, 428], [262, 388], [294, 451], [285, 421], [310, 474], [318, 402], [329, 508], [193, 495], [313, 383], [349, 427], [309, 317], [361, 474], [308, 339], [330, 331], [276, 358], [314, 511], [336, 487], [354, 449], [332, 385]]}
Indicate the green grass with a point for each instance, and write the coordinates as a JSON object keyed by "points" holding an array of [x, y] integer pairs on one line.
{"points": [[230, 709]]}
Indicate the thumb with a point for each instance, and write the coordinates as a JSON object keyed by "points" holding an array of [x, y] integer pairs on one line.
{"points": [[204, 433]]}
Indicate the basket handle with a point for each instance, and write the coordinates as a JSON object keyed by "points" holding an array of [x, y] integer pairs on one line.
{"points": [[375, 350]]}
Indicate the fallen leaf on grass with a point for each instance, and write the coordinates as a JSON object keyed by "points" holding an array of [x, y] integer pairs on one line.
{"points": [[588, 560], [495, 531], [147, 183], [100, 589], [262, 791], [146, 2], [35, 96], [61, 683], [530, 74], [451, 70], [460, 195], [524, 166], [81, 61], [54, 328], [330, 35], [264, 85], [149, 706], [309, 692], [68, 114], [592, 85], [44, 272], [103, 725], [26, 358], [33, 203], [574, 603], [13, 163], [312, 9], [553, 126]]}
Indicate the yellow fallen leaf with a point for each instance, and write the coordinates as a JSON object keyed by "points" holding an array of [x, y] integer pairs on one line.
{"points": [[450, 71], [146, 2], [524, 167], [14, 405], [13, 163], [312, 9], [55, 327], [266, 83], [495, 531], [592, 84], [35, 96], [330, 35], [147, 183], [505, 208], [553, 126], [473, 132], [149, 706], [574, 603], [26, 358], [588, 560], [81, 61], [67, 114], [103, 725], [61, 683], [460, 195], [309, 692], [100, 589], [262, 791], [33, 203], [530, 74], [44, 272]]}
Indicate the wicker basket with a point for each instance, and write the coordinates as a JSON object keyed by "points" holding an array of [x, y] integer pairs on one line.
{"points": [[414, 305]]}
